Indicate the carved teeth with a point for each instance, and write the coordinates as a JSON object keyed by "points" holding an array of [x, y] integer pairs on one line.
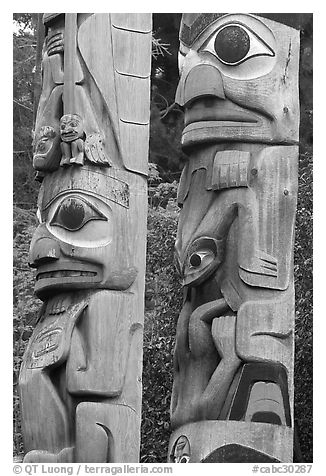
{"points": [[64, 273]]}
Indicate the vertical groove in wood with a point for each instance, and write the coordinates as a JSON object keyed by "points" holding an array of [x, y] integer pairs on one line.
{"points": [[70, 63]]}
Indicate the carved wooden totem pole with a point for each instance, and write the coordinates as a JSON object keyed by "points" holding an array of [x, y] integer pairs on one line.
{"points": [[80, 382], [232, 398]]}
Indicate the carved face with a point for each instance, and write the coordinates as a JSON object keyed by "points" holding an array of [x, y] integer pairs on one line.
{"points": [[44, 147], [81, 242], [181, 453], [238, 77], [44, 140], [71, 127]]}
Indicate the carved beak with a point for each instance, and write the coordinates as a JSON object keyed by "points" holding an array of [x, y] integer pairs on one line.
{"points": [[45, 250], [202, 80]]}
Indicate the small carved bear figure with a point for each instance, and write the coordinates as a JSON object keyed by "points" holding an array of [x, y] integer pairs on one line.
{"points": [[72, 136]]}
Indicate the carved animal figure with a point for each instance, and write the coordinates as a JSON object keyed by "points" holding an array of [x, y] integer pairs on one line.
{"points": [[233, 360]]}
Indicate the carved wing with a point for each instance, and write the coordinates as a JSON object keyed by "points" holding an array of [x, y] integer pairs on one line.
{"points": [[94, 150]]}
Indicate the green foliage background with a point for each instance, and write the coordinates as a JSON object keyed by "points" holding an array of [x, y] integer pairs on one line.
{"points": [[163, 292]]}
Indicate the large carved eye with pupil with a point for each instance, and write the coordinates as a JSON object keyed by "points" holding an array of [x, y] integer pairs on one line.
{"points": [[232, 44], [71, 214], [200, 258], [74, 213], [195, 260]]}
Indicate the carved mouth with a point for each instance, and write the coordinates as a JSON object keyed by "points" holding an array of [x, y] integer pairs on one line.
{"points": [[208, 109], [69, 135], [64, 274]]}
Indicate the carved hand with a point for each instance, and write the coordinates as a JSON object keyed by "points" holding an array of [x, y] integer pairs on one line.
{"points": [[223, 333]]}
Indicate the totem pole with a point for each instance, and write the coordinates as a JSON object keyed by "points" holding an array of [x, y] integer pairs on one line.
{"points": [[80, 381], [232, 398]]}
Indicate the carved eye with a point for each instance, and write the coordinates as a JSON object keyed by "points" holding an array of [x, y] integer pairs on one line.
{"points": [[41, 146], [233, 44], [200, 258], [74, 212], [203, 257]]}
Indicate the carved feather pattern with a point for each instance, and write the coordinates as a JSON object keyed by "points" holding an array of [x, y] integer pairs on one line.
{"points": [[94, 150]]}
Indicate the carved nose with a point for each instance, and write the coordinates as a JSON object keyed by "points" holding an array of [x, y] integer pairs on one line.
{"points": [[202, 80], [44, 250]]}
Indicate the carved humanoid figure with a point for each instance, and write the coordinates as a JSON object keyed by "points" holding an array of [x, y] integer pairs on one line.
{"points": [[72, 135], [232, 395], [80, 381]]}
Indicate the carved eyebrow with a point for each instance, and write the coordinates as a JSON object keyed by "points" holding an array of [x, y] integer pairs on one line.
{"points": [[189, 34]]}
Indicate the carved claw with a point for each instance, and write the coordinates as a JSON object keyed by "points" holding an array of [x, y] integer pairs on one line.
{"points": [[264, 264], [55, 43]]}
